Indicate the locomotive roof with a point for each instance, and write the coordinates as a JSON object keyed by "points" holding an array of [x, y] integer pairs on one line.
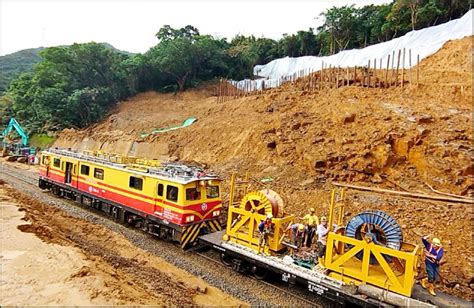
{"points": [[171, 171]]}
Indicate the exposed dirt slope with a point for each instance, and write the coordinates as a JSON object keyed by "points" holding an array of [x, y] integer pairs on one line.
{"points": [[396, 138]]}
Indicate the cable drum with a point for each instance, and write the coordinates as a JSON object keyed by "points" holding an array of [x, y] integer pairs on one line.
{"points": [[377, 226]]}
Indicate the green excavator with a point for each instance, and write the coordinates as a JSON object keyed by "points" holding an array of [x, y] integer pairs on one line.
{"points": [[12, 148]]}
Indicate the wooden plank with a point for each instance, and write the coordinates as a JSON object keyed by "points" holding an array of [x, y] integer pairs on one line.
{"points": [[404, 193]]}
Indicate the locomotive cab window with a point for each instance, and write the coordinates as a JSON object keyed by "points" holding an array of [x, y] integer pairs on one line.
{"points": [[99, 173], [172, 193], [193, 194], [85, 169], [160, 190], [212, 191], [45, 160], [57, 162], [136, 183]]}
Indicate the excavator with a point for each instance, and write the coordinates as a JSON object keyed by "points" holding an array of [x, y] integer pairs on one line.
{"points": [[18, 150]]}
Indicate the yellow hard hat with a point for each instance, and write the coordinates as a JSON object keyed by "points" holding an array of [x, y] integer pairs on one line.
{"points": [[324, 218], [301, 227], [436, 241], [311, 209]]}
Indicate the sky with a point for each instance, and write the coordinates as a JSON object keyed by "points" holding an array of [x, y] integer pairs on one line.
{"points": [[132, 25]]}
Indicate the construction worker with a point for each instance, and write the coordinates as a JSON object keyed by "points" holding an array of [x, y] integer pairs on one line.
{"points": [[433, 254], [322, 233], [264, 229], [298, 234], [311, 221]]}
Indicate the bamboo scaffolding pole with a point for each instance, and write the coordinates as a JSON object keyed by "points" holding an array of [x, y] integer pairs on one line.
{"points": [[403, 193]]}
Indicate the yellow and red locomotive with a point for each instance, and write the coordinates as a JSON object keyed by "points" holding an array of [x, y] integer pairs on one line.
{"points": [[174, 201]]}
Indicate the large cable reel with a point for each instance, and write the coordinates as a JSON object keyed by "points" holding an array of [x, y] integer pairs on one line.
{"points": [[375, 226], [263, 202]]}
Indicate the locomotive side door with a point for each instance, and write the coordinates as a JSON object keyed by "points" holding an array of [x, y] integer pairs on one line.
{"points": [[68, 173], [160, 196]]}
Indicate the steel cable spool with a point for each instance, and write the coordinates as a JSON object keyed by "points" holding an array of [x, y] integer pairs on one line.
{"points": [[377, 225], [263, 202]]}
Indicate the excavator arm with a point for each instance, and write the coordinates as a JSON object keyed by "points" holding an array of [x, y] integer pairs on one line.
{"points": [[13, 124]]}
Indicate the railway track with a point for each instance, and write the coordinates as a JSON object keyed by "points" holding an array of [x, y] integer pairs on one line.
{"points": [[308, 302], [246, 288]]}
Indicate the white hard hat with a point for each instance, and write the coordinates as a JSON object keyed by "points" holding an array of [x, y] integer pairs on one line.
{"points": [[269, 216]]}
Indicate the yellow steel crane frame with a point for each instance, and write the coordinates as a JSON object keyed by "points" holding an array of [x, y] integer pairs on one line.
{"points": [[396, 269]]}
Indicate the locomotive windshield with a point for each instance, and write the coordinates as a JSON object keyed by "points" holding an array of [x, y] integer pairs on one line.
{"points": [[212, 192]]}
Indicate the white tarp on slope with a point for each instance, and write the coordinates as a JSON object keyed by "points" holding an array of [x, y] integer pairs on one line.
{"points": [[424, 43]]}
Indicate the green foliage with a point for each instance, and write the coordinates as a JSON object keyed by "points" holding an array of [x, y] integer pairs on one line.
{"points": [[12, 65], [75, 86], [41, 141], [71, 87]]}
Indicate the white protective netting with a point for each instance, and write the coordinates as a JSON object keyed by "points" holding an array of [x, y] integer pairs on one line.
{"points": [[424, 43]]}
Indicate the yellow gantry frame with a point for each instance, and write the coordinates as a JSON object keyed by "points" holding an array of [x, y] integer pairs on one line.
{"points": [[245, 229], [397, 276], [242, 223]]}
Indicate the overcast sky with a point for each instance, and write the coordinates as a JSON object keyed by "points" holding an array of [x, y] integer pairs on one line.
{"points": [[131, 25]]}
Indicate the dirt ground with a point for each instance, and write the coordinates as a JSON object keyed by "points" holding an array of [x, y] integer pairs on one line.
{"points": [[402, 139], [50, 258]]}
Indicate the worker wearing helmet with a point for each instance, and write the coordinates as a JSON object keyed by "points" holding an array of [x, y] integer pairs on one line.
{"points": [[311, 221], [322, 233], [298, 233], [433, 254], [264, 229]]}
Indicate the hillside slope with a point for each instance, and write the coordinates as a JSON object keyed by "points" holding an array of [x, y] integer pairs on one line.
{"points": [[401, 139], [14, 64]]}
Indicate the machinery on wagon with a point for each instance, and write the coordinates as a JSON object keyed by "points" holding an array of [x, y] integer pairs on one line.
{"points": [[174, 201], [366, 259]]}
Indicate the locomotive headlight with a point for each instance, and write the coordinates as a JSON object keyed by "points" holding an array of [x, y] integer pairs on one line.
{"points": [[190, 218], [216, 213]]}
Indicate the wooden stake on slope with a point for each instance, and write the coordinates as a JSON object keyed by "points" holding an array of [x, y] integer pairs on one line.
{"points": [[386, 72], [355, 74], [417, 69], [409, 64], [403, 67], [375, 72], [347, 76], [398, 65], [368, 74], [381, 73]]}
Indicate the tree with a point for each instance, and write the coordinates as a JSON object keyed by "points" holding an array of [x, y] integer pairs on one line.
{"points": [[341, 23]]}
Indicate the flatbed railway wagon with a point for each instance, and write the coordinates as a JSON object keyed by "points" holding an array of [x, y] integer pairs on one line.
{"points": [[173, 201], [367, 263]]}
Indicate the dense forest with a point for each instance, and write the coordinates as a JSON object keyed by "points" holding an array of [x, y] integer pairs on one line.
{"points": [[75, 86]]}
